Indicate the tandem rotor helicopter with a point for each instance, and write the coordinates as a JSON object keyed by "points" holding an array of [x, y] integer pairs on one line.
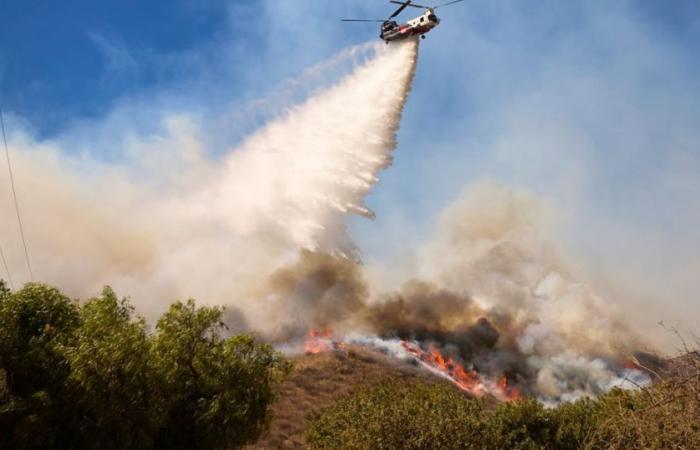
{"points": [[392, 31]]}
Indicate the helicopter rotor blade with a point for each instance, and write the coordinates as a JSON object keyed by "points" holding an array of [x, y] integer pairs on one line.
{"points": [[403, 6], [448, 3], [362, 20], [413, 5]]}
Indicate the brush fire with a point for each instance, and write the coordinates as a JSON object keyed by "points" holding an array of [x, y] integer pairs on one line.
{"points": [[427, 356], [506, 351], [432, 359]]}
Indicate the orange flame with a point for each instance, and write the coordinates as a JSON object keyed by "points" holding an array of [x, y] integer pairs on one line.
{"points": [[468, 380], [507, 392], [319, 342]]}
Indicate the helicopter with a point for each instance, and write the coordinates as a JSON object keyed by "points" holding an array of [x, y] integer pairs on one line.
{"points": [[392, 31]]}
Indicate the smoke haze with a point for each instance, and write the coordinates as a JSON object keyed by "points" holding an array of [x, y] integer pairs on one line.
{"points": [[262, 229], [175, 223], [489, 290]]}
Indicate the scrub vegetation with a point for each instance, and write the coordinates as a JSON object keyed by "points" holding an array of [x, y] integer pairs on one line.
{"points": [[417, 415], [93, 376]]}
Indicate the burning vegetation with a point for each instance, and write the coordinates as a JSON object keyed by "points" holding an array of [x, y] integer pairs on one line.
{"points": [[359, 398], [467, 379], [504, 352], [319, 342]]}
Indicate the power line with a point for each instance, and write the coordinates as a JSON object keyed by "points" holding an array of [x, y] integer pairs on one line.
{"points": [[14, 196], [7, 269]]}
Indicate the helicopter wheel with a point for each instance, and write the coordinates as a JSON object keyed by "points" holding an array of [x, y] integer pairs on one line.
{"points": [[422, 36]]}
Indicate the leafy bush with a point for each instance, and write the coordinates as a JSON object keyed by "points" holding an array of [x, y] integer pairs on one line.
{"points": [[113, 377], [218, 389], [397, 415], [36, 323], [93, 377], [400, 415], [665, 416], [575, 422], [520, 425]]}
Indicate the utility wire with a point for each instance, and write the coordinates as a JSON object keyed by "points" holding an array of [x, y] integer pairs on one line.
{"points": [[14, 196], [7, 269]]}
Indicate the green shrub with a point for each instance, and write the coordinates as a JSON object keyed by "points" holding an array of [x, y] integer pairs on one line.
{"points": [[93, 377], [218, 389], [574, 423], [114, 383], [36, 323], [400, 415], [664, 416], [522, 424]]}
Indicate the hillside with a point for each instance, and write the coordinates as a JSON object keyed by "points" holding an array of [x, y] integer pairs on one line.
{"points": [[318, 380]]}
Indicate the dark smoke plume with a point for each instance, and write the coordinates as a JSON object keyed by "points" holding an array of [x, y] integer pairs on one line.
{"points": [[327, 292], [319, 290]]}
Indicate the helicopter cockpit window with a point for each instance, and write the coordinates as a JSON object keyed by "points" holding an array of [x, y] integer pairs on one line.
{"points": [[432, 18]]}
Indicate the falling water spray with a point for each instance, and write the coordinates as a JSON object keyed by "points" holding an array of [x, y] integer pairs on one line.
{"points": [[172, 222]]}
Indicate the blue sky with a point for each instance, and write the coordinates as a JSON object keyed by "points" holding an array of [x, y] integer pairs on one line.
{"points": [[68, 60], [592, 106], [65, 61]]}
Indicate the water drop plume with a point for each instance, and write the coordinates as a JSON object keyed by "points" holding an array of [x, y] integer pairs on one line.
{"points": [[299, 176], [172, 221]]}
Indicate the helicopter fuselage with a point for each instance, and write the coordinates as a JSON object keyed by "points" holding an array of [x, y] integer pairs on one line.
{"points": [[392, 31]]}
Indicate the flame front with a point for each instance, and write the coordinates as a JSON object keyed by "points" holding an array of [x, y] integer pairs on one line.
{"points": [[506, 392], [319, 342], [434, 361], [469, 380]]}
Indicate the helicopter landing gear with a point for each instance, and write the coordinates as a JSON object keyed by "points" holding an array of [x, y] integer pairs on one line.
{"points": [[422, 36]]}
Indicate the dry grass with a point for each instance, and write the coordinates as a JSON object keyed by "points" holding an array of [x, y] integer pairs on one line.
{"points": [[665, 415], [317, 381]]}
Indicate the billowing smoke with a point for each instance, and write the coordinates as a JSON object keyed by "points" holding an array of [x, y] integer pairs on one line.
{"points": [[318, 290], [262, 230], [490, 292], [172, 222]]}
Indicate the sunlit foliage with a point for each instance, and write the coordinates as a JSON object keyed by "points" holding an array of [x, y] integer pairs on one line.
{"points": [[395, 415], [92, 376]]}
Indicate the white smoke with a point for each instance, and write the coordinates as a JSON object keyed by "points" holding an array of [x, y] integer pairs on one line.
{"points": [[174, 223], [494, 244]]}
